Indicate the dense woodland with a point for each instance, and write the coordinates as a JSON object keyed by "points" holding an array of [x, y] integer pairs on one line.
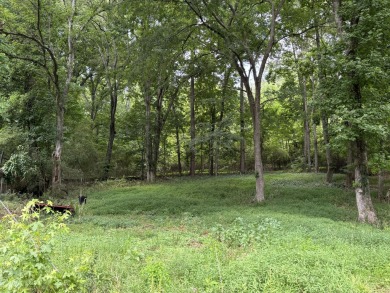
{"points": [[98, 89]]}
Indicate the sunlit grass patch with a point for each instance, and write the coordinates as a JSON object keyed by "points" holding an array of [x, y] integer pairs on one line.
{"points": [[206, 235]]}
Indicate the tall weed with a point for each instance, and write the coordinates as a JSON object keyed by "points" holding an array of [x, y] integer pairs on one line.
{"points": [[26, 254]]}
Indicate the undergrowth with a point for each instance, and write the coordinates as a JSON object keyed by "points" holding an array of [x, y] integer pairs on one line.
{"points": [[206, 235], [26, 254]]}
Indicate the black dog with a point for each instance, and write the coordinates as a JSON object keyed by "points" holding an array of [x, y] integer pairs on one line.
{"points": [[82, 199]]}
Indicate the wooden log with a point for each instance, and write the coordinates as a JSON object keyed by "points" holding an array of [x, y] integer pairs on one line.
{"points": [[56, 208]]}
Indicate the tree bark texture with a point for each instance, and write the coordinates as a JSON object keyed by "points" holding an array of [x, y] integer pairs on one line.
{"points": [[306, 126], [366, 211], [242, 130], [112, 133], [315, 142], [381, 184], [56, 174], [177, 137], [192, 127], [328, 153], [349, 176], [314, 125], [213, 121], [178, 150], [150, 176]]}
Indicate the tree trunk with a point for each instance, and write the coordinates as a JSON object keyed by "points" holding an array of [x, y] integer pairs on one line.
{"points": [[381, 184], [201, 158], [177, 136], [329, 158], [306, 126], [254, 103], [315, 141], [158, 128], [217, 138], [242, 130], [365, 207], [113, 86], [324, 116], [255, 107], [366, 211], [349, 176], [153, 140], [192, 126], [178, 150], [211, 141], [337, 17], [305, 115], [150, 176], [56, 175], [254, 100], [314, 123], [143, 159], [259, 172], [60, 102], [112, 133]]}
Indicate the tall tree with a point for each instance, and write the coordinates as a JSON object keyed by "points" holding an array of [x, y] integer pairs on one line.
{"points": [[360, 89], [45, 34], [242, 130], [111, 51], [159, 36], [247, 34], [192, 127], [39, 44]]}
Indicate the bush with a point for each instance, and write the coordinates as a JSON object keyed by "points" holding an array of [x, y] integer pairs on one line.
{"points": [[22, 172], [277, 157], [26, 254], [243, 234]]}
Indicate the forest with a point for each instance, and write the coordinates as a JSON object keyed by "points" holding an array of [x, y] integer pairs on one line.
{"points": [[99, 89], [217, 145]]}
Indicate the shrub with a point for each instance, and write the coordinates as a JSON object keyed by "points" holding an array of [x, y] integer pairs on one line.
{"points": [[22, 172], [26, 254], [242, 234], [156, 276]]}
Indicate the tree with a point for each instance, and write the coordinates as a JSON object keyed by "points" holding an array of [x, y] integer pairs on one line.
{"points": [[359, 90], [158, 31], [247, 35], [111, 51], [192, 126], [43, 33]]}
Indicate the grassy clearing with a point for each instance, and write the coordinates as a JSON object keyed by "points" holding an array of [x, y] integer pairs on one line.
{"points": [[205, 235]]}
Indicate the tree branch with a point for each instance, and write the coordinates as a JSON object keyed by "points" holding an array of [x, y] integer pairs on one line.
{"points": [[54, 75], [201, 18]]}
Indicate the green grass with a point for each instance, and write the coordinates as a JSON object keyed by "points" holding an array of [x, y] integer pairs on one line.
{"points": [[166, 237]]}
